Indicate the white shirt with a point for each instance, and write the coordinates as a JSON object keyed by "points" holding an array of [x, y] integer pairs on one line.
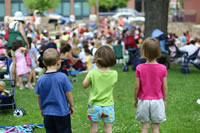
{"points": [[82, 56], [190, 49], [37, 20]]}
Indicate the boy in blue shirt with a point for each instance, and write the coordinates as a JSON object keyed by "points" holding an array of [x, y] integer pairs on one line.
{"points": [[54, 94]]}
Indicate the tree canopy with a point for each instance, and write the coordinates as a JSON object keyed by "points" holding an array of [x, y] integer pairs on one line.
{"points": [[41, 5], [109, 3]]}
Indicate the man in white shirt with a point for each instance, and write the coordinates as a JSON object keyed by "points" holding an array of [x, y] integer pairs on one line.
{"points": [[190, 49]]}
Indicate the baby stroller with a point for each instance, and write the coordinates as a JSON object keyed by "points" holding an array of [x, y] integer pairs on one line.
{"points": [[191, 60], [134, 57], [66, 67], [7, 95], [164, 44], [175, 55]]}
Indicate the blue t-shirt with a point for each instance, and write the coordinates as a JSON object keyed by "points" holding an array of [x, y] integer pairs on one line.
{"points": [[52, 88]]}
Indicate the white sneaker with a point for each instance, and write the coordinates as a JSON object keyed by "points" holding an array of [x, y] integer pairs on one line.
{"points": [[6, 76], [21, 88], [29, 86]]}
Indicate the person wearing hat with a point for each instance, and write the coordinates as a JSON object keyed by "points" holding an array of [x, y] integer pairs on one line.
{"points": [[17, 25], [37, 19]]}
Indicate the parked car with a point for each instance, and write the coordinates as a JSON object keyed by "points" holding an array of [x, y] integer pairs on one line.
{"points": [[130, 10], [56, 18], [105, 14], [127, 16]]}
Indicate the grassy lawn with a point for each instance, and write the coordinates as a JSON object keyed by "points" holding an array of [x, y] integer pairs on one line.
{"points": [[183, 113]]}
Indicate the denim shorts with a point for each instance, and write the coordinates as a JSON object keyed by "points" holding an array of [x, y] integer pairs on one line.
{"points": [[97, 113]]}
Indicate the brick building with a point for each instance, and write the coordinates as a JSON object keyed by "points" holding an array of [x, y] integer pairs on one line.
{"points": [[192, 11], [81, 8]]}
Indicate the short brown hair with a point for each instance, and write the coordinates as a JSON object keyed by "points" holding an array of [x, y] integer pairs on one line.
{"points": [[151, 48], [51, 56], [17, 44], [104, 56]]}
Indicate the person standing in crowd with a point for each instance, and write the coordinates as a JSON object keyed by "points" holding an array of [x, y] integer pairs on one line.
{"points": [[102, 81], [150, 93], [55, 86]]}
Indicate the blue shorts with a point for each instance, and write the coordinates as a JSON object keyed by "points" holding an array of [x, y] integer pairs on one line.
{"points": [[97, 113]]}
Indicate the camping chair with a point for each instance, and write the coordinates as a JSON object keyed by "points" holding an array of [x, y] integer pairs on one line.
{"points": [[66, 67], [118, 50]]}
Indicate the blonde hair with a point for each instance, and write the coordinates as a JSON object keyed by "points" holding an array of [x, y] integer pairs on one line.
{"points": [[51, 56], [2, 84], [98, 44], [104, 56], [151, 49]]}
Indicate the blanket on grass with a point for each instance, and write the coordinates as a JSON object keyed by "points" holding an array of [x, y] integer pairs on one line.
{"points": [[27, 128]]}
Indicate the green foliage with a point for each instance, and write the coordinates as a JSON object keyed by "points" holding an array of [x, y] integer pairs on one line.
{"points": [[41, 5], [109, 3], [182, 3]]}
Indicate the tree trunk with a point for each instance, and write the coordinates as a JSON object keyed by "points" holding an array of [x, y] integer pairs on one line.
{"points": [[156, 16]]}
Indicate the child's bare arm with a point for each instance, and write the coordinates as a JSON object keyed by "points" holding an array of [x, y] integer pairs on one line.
{"points": [[38, 98], [71, 102], [1, 67], [86, 82], [23, 49], [21, 30], [35, 57], [165, 88], [137, 87]]}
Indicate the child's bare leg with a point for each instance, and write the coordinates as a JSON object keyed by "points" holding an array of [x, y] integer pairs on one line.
{"points": [[155, 128], [107, 127], [13, 73], [33, 76], [94, 127], [29, 77], [145, 127], [20, 82]]}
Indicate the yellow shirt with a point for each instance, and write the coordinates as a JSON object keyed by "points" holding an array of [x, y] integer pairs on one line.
{"points": [[88, 62]]}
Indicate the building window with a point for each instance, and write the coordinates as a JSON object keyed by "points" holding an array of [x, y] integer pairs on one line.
{"points": [[18, 6], [66, 9], [138, 5], [77, 9], [86, 9], [2, 9], [14, 8], [59, 9], [81, 8], [23, 9]]}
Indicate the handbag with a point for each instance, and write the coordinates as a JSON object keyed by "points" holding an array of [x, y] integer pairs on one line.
{"points": [[28, 59]]}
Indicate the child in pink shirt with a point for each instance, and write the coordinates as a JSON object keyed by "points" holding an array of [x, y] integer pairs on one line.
{"points": [[150, 87]]}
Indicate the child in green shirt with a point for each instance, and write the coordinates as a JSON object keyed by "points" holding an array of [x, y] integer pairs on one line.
{"points": [[101, 82]]}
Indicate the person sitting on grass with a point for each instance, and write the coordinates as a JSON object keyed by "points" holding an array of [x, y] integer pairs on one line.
{"points": [[151, 87], [102, 81], [54, 93]]}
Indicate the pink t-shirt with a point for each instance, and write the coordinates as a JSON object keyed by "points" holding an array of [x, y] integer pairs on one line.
{"points": [[151, 80]]}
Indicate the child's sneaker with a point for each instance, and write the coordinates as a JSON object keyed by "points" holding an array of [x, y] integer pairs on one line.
{"points": [[21, 87], [29, 86], [33, 84]]}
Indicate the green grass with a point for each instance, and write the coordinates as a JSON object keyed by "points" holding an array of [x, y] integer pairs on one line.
{"points": [[183, 113]]}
